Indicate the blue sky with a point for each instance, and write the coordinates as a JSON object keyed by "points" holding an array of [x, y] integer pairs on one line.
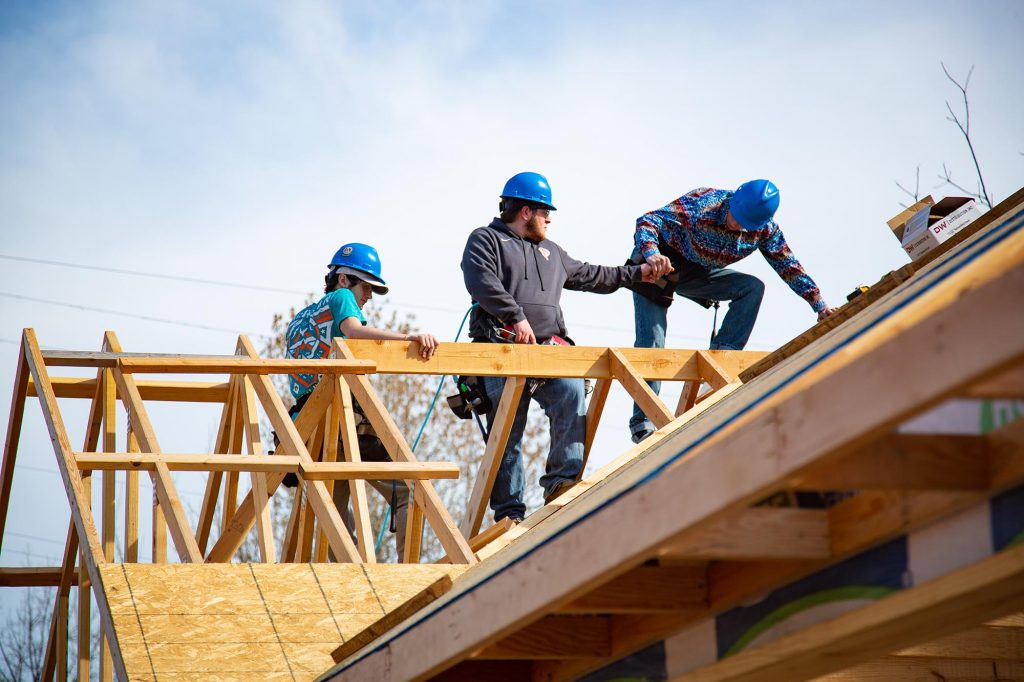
{"points": [[246, 141]]}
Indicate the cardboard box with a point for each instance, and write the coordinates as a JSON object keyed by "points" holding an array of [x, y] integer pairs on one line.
{"points": [[926, 224]]}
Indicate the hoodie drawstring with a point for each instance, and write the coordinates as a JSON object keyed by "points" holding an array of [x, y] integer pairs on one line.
{"points": [[526, 271], [537, 264]]}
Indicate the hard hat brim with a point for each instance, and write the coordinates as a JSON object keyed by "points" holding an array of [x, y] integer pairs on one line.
{"points": [[746, 224], [376, 283]]}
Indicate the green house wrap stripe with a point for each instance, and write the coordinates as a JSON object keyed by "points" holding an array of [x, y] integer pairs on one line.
{"points": [[847, 593]]}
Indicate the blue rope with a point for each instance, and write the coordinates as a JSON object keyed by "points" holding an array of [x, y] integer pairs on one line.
{"points": [[426, 417]]}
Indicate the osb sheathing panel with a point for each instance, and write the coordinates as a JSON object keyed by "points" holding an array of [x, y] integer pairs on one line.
{"points": [[240, 621]]}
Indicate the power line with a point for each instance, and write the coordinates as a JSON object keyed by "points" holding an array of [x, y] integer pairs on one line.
{"points": [[154, 275], [34, 537], [181, 491], [239, 285], [148, 318]]}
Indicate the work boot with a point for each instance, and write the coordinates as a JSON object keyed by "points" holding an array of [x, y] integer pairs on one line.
{"points": [[638, 436], [557, 490]]}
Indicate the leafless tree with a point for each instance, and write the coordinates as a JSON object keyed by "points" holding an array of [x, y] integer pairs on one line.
{"points": [[24, 635], [26, 631], [965, 128], [964, 125], [915, 196]]}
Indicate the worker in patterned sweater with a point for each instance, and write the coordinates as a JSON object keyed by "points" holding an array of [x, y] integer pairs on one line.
{"points": [[689, 243]]}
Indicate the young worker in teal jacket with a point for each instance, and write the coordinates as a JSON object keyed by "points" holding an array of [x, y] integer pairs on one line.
{"points": [[353, 277]]}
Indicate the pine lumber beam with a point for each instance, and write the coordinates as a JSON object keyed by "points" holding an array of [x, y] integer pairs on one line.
{"points": [[109, 357], [213, 482], [497, 441], [634, 383], [343, 420], [21, 380], [644, 590], [1007, 448], [80, 503], [161, 363], [1007, 385], [257, 480], [555, 637], [516, 360], [969, 596], [757, 533], [147, 461], [166, 493], [453, 542], [872, 516], [382, 471], [919, 669], [988, 642], [713, 372], [34, 576], [483, 539], [149, 389], [908, 462], [594, 410], [237, 364], [317, 497]]}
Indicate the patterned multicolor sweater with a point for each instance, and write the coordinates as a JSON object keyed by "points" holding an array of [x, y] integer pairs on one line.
{"points": [[695, 226]]}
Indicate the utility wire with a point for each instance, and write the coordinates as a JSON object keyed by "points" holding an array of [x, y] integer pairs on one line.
{"points": [[238, 285], [154, 275], [33, 537], [148, 318]]}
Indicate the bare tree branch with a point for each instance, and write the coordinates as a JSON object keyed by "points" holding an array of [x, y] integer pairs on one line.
{"points": [[965, 128], [916, 194]]}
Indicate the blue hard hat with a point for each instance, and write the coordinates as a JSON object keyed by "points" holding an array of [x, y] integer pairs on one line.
{"points": [[532, 187], [754, 204], [362, 261]]}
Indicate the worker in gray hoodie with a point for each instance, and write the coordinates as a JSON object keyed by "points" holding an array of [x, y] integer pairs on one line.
{"points": [[516, 275]]}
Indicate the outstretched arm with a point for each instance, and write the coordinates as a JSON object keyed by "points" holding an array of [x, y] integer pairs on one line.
{"points": [[603, 279], [353, 329], [785, 264]]}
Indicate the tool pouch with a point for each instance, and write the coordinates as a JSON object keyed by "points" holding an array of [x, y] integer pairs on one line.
{"points": [[471, 398]]}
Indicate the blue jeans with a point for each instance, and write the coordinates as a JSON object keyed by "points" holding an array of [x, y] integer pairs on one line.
{"points": [[565, 406], [744, 293]]}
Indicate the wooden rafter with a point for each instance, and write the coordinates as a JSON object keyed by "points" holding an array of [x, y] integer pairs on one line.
{"points": [[572, 362], [320, 501], [214, 480], [633, 381], [21, 379], [497, 440], [84, 525], [166, 492], [384, 426]]}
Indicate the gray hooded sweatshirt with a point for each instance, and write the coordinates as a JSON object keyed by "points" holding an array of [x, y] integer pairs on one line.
{"points": [[515, 279]]}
